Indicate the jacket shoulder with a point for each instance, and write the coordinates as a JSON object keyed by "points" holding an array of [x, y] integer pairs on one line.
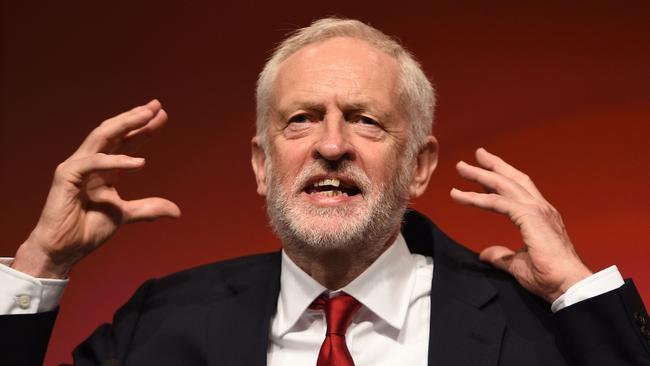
{"points": [[215, 280]]}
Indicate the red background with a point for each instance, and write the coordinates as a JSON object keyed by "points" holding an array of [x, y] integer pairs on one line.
{"points": [[560, 90]]}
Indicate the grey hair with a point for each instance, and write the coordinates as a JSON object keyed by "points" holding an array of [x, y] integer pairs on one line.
{"points": [[417, 96]]}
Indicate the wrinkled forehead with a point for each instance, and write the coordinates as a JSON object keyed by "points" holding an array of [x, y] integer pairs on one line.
{"points": [[338, 67]]}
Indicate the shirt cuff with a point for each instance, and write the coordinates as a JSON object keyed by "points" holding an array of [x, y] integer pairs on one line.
{"points": [[21, 293], [597, 284]]}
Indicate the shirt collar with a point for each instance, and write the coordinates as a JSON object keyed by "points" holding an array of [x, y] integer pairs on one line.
{"points": [[297, 291], [384, 288]]}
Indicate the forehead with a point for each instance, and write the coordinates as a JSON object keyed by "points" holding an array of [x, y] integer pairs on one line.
{"points": [[341, 69]]}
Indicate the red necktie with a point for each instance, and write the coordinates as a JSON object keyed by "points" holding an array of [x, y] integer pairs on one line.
{"points": [[339, 311]]}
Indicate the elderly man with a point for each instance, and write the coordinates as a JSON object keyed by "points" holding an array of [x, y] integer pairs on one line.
{"points": [[343, 143]]}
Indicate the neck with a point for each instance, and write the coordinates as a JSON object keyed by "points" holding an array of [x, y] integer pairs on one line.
{"points": [[335, 268]]}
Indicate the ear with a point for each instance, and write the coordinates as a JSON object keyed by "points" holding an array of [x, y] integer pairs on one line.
{"points": [[258, 159], [425, 163]]}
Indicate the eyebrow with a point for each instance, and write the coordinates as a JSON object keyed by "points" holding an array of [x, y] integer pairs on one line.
{"points": [[313, 106], [284, 113]]}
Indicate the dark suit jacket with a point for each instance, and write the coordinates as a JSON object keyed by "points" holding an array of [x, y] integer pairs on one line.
{"points": [[220, 314]]}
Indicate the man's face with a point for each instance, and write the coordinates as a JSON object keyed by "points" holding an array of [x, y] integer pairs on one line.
{"points": [[335, 175]]}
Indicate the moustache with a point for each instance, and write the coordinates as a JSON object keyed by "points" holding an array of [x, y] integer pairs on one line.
{"points": [[350, 174]]}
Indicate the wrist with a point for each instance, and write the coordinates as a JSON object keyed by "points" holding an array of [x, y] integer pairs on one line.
{"points": [[32, 260], [579, 273]]}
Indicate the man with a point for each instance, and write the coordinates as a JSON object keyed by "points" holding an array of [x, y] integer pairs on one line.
{"points": [[343, 143]]}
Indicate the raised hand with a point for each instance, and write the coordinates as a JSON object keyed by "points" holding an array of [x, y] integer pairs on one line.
{"points": [[547, 263], [83, 208]]}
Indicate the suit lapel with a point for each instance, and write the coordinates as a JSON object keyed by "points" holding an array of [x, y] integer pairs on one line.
{"points": [[238, 328], [461, 333]]}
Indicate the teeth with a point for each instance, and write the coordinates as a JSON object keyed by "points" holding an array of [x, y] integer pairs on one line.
{"points": [[332, 193], [328, 182]]}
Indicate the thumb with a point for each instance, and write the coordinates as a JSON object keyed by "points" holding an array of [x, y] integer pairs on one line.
{"points": [[149, 209], [499, 256]]}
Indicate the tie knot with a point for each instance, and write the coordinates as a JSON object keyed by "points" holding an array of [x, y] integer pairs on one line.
{"points": [[339, 311]]}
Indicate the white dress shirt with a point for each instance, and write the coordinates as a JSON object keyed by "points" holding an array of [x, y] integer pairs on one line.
{"points": [[394, 316]]}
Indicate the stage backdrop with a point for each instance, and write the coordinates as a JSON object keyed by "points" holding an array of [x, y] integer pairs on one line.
{"points": [[562, 91]]}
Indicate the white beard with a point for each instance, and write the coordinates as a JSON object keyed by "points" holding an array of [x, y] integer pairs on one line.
{"points": [[371, 221]]}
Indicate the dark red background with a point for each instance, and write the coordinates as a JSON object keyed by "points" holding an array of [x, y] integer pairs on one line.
{"points": [[560, 90]]}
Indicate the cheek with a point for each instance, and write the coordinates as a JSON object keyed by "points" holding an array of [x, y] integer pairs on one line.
{"points": [[287, 163], [290, 162], [379, 162]]}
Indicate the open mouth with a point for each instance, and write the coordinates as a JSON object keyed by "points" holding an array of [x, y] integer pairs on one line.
{"points": [[332, 187]]}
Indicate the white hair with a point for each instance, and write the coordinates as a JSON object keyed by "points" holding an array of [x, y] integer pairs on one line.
{"points": [[417, 96]]}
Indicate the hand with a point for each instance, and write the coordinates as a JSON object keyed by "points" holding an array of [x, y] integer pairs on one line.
{"points": [[83, 208], [547, 265]]}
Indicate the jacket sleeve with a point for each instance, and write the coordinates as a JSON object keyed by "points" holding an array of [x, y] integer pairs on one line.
{"points": [[610, 329], [25, 337]]}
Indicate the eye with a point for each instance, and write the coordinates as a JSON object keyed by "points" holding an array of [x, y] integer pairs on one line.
{"points": [[364, 120], [300, 118], [367, 120]]}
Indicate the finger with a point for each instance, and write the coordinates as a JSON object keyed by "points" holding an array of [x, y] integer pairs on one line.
{"points": [[493, 182], [486, 201], [113, 130], [494, 163], [149, 209], [76, 170], [135, 139], [499, 256], [153, 105]]}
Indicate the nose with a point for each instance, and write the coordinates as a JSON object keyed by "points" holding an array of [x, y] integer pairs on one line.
{"points": [[333, 142]]}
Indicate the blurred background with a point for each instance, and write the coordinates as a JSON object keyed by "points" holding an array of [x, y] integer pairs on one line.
{"points": [[560, 89]]}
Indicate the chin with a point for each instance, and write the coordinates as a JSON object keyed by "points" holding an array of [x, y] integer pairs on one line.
{"points": [[331, 228]]}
